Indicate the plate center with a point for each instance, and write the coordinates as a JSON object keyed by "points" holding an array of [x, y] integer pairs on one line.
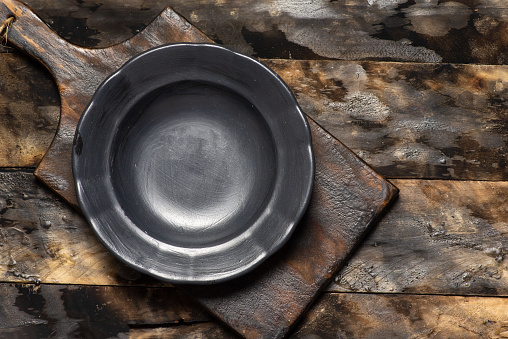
{"points": [[199, 159]]}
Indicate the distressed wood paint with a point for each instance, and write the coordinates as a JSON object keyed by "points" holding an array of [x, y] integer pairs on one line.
{"points": [[77, 311], [459, 31], [43, 240], [441, 237], [415, 121], [74, 311], [367, 314], [402, 316], [410, 120], [29, 111]]}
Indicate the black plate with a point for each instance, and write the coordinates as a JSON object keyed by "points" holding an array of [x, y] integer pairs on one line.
{"points": [[193, 163]]}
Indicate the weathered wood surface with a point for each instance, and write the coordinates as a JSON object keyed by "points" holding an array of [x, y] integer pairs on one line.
{"points": [[199, 330], [410, 120], [406, 120], [67, 311], [72, 311], [445, 237], [29, 111], [405, 316], [442, 237], [460, 31]]}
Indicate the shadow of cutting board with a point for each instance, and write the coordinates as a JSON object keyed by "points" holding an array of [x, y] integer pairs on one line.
{"points": [[347, 197]]}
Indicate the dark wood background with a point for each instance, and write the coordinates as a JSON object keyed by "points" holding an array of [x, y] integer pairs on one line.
{"points": [[416, 88]]}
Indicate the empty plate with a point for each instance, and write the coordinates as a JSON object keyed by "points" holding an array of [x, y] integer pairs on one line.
{"points": [[193, 163]]}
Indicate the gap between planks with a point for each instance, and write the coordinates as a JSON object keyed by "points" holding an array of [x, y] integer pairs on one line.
{"points": [[323, 292]]}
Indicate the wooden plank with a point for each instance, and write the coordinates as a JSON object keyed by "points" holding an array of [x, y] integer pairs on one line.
{"points": [[406, 120], [461, 31], [70, 311], [446, 237], [29, 111], [405, 316], [410, 120]]}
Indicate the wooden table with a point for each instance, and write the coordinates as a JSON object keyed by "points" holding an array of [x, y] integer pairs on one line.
{"points": [[418, 89]]}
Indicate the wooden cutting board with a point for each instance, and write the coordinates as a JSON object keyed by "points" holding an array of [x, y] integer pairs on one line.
{"points": [[348, 196]]}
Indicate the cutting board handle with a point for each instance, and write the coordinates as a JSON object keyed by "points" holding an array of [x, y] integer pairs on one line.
{"points": [[78, 71], [30, 34]]}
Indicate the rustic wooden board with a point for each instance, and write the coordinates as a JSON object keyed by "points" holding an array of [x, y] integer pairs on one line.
{"points": [[347, 197], [447, 237], [70, 311], [406, 120], [200, 330], [460, 31], [466, 255], [410, 120]]}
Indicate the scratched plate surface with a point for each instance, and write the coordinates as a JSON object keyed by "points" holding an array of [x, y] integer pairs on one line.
{"points": [[347, 197]]}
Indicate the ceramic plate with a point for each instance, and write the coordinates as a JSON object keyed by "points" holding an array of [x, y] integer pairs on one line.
{"points": [[193, 163]]}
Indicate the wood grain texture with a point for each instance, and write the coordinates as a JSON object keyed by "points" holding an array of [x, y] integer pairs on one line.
{"points": [[410, 120], [193, 331], [404, 316], [70, 311], [42, 239], [29, 111], [445, 237], [73, 311], [406, 120], [460, 31]]}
